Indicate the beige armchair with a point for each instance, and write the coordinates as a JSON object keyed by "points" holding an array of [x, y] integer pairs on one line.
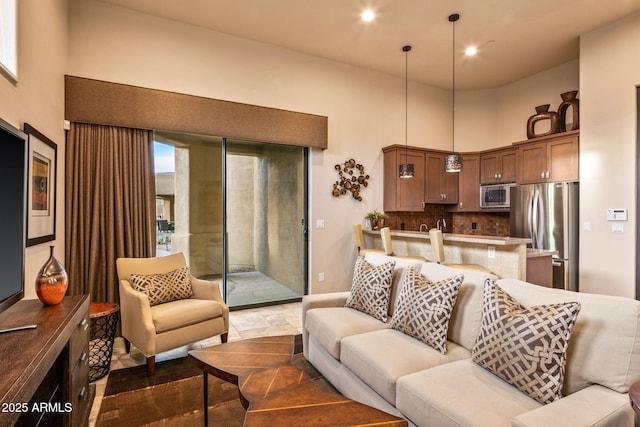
{"points": [[162, 327]]}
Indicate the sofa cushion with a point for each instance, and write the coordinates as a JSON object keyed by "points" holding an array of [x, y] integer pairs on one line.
{"points": [[180, 313], [164, 287], [460, 394], [380, 357], [424, 308], [371, 288], [525, 346], [605, 341], [375, 258], [329, 325]]}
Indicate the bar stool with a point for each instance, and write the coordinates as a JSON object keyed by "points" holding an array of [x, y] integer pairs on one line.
{"points": [[437, 245], [357, 233], [385, 233]]}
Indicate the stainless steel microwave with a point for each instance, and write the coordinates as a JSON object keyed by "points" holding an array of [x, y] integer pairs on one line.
{"points": [[495, 196]]}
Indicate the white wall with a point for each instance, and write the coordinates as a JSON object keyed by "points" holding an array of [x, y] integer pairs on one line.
{"points": [[38, 99], [609, 73], [365, 108]]}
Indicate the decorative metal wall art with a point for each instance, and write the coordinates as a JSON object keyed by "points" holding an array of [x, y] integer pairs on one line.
{"points": [[351, 180]]}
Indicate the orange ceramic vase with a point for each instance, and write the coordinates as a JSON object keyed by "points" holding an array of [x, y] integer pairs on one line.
{"points": [[52, 281]]}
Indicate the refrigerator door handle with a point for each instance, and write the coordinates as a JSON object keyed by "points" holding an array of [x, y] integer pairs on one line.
{"points": [[534, 219]]}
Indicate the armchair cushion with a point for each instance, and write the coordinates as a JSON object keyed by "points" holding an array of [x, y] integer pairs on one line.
{"points": [[164, 287], [181, 313]]}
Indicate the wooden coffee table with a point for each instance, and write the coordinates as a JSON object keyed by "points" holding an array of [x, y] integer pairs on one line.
{"points": [[276, 393]]}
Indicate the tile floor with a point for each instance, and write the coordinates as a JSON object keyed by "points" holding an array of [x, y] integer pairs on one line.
{"points": [[283, 319]]}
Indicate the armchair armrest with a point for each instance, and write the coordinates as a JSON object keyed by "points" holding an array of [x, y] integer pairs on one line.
{"points": [[204, 289], [592, 406], [137, 323]]}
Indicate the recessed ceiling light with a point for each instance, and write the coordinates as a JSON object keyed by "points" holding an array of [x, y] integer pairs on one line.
{"points": [[470, 51], [368, 15]]}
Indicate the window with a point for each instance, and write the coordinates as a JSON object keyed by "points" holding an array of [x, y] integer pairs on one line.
{"points": [[8, 40]]}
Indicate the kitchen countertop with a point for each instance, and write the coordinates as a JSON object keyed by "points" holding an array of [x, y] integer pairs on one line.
{"points": [[463, 238], [535, 253]]}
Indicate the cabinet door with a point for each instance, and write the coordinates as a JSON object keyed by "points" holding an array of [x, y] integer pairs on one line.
{"points": [[508, 172], [498, 166], [469, 184], [532, 163], [440, 187], [489, 168], [563, 159], [403, 194]]}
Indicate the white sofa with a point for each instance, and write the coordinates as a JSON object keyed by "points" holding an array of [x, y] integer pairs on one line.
{"points": [[384, 368]]}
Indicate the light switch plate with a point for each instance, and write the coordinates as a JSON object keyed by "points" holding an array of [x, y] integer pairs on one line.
{"points": [[617, 227], [320, 223]]}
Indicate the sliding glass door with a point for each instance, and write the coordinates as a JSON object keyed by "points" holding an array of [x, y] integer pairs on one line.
{"points": [[237, 210]]}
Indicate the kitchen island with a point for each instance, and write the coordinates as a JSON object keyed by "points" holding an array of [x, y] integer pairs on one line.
{"points": [[504, 256]]}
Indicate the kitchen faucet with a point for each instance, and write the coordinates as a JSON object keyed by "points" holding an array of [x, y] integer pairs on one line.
{"points": [[441, 224], [426, 227]]}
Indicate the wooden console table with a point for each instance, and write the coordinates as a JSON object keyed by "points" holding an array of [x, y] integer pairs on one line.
{"points": [[276, 393], [45, 370]]}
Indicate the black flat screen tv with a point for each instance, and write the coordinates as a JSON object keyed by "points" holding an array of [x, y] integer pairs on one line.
{"points": [[13, 198]]}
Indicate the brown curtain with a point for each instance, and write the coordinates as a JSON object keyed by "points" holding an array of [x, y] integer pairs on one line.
{"points": [[110, 205]]}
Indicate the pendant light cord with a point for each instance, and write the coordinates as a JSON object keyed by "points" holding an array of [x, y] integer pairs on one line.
{"points": [[453, 89], [406, 102]]}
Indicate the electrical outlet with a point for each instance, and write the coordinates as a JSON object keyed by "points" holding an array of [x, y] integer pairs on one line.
{"points": [[320, 223], [320, 277], [474, 225], [491, 252]]}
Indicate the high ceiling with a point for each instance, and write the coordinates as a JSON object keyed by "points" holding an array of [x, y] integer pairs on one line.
{"points": [[515, 38]]}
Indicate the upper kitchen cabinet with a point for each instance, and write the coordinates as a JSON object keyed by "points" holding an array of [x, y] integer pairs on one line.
{"points": [[551, 158], [498, 166], [430, 184], [441, 187], [403, 194], [469, 184]]}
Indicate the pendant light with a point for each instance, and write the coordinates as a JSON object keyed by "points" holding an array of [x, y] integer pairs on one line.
{"points": [[453, 161], [406, 169]]}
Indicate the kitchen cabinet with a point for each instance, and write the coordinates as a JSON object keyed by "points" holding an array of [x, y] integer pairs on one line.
{"points": [[552, 158], [403, 194], [469, 184], [430, 184], [498, 166], [441, 187]]}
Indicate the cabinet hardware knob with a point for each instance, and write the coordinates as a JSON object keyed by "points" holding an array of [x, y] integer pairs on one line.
{"points": [[83, 393], [83, 357], [84, 324], [547, 175]]}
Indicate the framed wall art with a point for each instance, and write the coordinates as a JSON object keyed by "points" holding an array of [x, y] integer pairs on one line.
{"points": [[41, 187]]}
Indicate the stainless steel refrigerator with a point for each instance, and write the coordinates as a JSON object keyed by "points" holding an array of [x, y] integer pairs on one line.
{"points": [[548, 214]]}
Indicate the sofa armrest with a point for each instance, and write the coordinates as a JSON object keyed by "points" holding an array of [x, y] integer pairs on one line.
{"points": [[591, 406], [204, 289], [136, 320], [332, 299]]}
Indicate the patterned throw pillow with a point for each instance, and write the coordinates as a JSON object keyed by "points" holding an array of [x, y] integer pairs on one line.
{"points": [[525, 346], [371, 288], [166, 287], [424, 308]]}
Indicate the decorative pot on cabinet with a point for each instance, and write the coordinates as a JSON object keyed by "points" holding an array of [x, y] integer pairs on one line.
{"points": [[569, 100], [543, 113]]}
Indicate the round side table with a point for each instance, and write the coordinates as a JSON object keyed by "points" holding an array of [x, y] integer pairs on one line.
{"points": [[103, 317]]}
